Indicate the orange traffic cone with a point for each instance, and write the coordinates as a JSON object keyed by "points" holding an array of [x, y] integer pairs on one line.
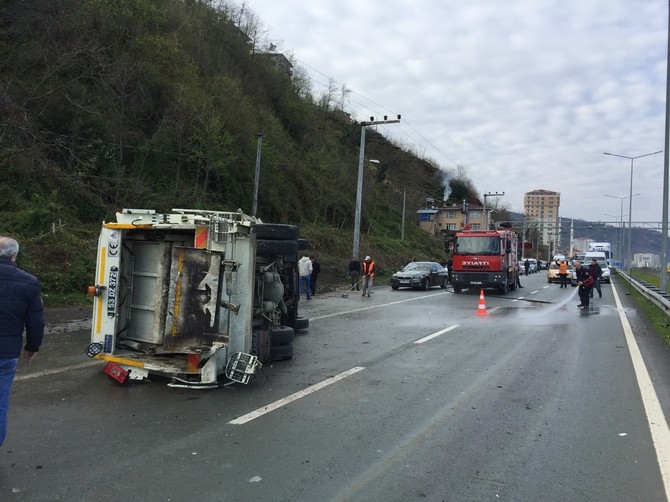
{"points": [[481, 309]]}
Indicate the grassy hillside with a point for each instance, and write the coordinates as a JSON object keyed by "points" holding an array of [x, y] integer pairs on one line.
{"points": [[159, 104]]}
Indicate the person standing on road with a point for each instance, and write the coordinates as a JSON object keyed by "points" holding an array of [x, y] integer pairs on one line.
{"points": [[368, 271], [316, 268], [563, 272], [526, 265], [450, 263], [355, 273], [585, 283], [596, 272], [305, 272], [20, 309]]}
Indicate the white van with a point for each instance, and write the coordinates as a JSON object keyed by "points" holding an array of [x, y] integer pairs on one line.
{"points": [[601, 258]]}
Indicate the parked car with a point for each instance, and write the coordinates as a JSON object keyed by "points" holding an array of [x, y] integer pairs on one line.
{"points": [[420, 275], [606, 274]]}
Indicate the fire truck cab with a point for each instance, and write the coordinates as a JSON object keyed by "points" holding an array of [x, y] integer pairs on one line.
{"points": [[192, 295], [485, 259]]}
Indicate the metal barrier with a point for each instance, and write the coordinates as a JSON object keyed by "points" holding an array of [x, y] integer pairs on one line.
{"points": [[652, 293]]}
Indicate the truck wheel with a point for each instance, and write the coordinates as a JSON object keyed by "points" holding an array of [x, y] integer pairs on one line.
{"points": [[276, 231], [274, 248], [281, 335], [301, 324], [457, 289], [282, 352]]}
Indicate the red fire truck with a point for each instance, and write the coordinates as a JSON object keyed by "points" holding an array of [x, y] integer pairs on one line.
{"points": [[485, 259]]}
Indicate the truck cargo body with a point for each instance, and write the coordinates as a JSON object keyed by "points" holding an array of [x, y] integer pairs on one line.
{"points": [[186, 295], [485, 259]]}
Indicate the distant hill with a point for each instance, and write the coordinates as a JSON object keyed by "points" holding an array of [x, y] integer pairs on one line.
{"points": [[642, 240]]}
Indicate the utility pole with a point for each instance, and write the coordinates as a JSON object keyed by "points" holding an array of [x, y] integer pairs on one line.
{"points": [[257, 177], [666, 172], [486, 216], [402, 226], [359, 184]]}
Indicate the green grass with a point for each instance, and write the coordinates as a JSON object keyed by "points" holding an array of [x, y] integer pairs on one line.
{"points": [[654, 315], [58, 300], [651, 276]]}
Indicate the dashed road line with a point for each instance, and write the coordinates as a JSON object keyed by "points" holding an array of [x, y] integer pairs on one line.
{"points": [[294, 397]]}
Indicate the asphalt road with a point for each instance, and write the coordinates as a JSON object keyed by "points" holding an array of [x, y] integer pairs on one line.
{"points": [[407, 395]]}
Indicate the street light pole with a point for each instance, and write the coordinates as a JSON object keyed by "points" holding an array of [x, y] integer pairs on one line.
{"points": [[621, 199], [359, 184], [630, 204], [486, 218]]}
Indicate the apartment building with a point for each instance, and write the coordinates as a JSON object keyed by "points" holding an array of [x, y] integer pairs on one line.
{"points": [[541, 209]]}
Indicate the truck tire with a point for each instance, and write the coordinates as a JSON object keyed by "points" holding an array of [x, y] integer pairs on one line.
{"points": [[301, 324], [276, 231], [281, 335], [274, 248], [282, 352], [457, 289]]}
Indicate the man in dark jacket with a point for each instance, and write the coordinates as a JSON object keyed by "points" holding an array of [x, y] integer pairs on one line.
{"points": [[355, 273], [585, 282], [316, 268], [596, 272], [20, 308]]}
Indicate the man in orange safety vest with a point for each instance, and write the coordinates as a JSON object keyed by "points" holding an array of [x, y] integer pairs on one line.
{"points": [[368, 270]]}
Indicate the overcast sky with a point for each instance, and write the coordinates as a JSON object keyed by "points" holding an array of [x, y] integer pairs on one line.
{"points": [[525, 94]]}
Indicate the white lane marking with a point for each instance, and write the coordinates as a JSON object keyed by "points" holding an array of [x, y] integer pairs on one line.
{"points": [[56, 370], [437, 333], [536, 291], [374, 306], [294, 397], [658, 425]]}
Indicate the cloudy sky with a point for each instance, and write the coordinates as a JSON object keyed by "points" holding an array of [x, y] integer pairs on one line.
{"points": [[525, 94]]}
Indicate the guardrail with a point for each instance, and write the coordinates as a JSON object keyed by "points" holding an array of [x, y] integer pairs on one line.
{"points": [[659, 298]]}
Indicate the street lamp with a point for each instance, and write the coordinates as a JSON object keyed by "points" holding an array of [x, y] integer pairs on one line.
{"points": [[630, 203], [621, 199], [359, 185]]}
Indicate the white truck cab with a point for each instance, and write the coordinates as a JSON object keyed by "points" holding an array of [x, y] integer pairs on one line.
{"points": [[601, 258]]}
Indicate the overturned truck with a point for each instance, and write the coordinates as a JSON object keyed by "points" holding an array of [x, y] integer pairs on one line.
{"points": [[194, 296]]}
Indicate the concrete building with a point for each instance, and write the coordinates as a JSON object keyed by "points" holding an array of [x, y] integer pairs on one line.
{"points": [[541, 210], [646, 260]]}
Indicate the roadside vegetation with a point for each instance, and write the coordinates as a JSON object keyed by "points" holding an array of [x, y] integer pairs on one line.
{"points": [[655, 316], [159, 104]]}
